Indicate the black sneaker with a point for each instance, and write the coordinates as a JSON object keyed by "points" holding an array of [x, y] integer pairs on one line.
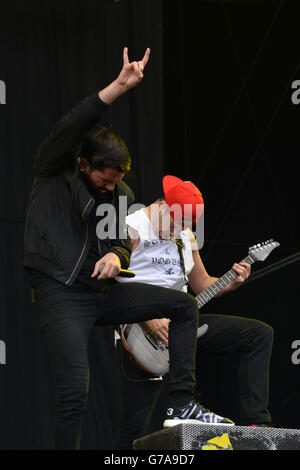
{"points": [[193, 412]]}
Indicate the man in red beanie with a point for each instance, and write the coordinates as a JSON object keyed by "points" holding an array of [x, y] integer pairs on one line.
{"points": [[183, 198], [159, 258]]}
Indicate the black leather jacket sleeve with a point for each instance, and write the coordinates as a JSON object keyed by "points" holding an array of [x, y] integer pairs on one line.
{"points": [[57, 151]]}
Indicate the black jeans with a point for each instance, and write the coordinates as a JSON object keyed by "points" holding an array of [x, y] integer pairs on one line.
{"points": [[67, 317], [251, 339]]}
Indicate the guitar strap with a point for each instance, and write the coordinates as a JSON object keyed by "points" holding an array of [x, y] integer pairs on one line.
{"points": [[180, 245]]}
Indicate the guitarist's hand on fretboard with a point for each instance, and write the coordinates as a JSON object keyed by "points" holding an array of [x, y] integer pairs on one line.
{"points": [[243, 271]]}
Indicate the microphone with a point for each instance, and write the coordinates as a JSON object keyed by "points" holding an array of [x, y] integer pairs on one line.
{"points": [[122, 273]]}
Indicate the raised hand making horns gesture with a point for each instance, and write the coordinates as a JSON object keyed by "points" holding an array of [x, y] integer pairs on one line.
{"points": [[132, 72], [130, 76]]}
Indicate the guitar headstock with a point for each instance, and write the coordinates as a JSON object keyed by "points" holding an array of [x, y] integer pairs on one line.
{"points": [[261, 251]]}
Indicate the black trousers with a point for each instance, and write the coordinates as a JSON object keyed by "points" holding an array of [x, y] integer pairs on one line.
{"points": [[251, 339], [67, 317]]}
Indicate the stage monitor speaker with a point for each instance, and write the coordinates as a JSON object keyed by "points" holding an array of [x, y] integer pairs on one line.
{"points": [[215, 437]]}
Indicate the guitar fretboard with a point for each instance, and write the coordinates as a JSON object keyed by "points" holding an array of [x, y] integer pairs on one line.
{"points": [[218, 285]]}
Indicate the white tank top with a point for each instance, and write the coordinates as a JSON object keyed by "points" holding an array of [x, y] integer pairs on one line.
{"points": [[157, 261]]}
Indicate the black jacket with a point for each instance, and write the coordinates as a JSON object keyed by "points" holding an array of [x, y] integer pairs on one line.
{"points": [[57, 230]]}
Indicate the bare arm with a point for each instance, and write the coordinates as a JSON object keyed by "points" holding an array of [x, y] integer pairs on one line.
{"points": [[199, 279]]}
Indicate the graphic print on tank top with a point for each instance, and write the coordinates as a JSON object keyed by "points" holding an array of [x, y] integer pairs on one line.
{"points": [[157, 261]]}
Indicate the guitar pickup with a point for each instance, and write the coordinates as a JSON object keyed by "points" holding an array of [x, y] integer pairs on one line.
{"points": [[153, 340]]}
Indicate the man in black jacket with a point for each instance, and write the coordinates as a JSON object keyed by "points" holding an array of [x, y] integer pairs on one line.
{"points": [[78, 168]]}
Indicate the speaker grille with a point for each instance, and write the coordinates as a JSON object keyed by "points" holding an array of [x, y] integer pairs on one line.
{"points": [[214, 437]]}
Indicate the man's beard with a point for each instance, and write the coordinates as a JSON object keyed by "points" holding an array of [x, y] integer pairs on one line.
{"points": [[92, 189]]}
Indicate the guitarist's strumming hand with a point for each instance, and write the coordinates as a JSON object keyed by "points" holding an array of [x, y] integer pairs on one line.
{"points": [[160, 327]]}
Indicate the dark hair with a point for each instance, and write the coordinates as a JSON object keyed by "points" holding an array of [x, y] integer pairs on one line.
{"points": [[102, 148]]}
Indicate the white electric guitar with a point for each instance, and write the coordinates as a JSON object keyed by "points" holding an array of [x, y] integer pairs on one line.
{"points": [[149, 351]]}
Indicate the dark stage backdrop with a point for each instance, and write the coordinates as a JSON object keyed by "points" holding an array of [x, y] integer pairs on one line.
{"points": [[216, 107], [233, 69]]}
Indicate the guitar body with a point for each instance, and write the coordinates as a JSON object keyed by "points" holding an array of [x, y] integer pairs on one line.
{"points": [[149, 352]]}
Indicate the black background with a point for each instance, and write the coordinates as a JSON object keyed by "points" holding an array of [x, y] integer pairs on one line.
{"points": [[215, 108]]}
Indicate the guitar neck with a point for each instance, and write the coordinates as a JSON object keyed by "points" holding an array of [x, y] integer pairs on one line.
{"points": [[211, 291]]}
